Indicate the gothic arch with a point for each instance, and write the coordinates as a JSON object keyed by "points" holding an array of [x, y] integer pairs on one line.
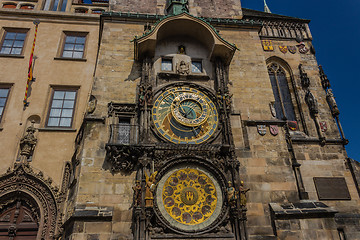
{"points": [[24, 185], [278, 64], [184, 25]]}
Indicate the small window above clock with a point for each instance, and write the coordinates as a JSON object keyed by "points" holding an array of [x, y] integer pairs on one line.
{"points": [[196, 66], [166, 64]]}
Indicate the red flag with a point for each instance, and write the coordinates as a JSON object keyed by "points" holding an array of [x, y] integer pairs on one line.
{"points": [[30, 70]]}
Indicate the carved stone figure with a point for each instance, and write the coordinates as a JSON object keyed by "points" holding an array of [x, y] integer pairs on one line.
{"points": [[228, 98], [231, 195], [332, 103], [149, 189], [149, 95], [243, 192], [28, 142], [305, 81], [183, 68], [142, 96], [312, 103], [137, 193], [92, 104]]}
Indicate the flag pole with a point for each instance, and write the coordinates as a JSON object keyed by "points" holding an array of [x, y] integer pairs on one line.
{"points": [[30, 69]]}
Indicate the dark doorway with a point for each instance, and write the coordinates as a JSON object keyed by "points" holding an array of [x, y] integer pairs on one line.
{"points": [[17, 222]]}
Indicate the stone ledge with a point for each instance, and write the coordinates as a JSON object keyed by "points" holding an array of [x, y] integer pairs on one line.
{"points": [[11, 56], [195, 237], [304, 209], [90, 118], [50, 129]]}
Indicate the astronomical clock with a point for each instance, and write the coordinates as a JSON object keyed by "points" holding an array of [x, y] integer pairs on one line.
{"points": [[185, 115], [189, 197]]}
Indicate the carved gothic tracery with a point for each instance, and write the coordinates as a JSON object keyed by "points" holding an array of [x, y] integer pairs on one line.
{"points": [[24, 184]]}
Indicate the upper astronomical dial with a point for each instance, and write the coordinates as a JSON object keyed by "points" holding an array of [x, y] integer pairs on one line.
{"points": [[190, 109], [185, 115]]}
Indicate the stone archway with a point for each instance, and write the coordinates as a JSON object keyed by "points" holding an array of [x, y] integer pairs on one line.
{"points": [[27, 202]]}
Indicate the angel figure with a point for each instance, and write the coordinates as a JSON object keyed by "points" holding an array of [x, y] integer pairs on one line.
{"points": [[231, 194], [149, 189]]}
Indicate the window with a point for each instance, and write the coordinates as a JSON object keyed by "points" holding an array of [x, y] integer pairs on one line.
{"points": [[55, 5], [62, 108], [196, 66], [283, 103], [4, 93], [74, 45], [13, 42], [97, 11], [81, 10], [9, 5], [166, 64], [123, 133], [27, 7]]}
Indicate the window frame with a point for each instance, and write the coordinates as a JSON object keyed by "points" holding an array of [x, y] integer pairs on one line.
{"points": [[5, 86], [16, 30], [120, 123], [63, 42], [202, 66], [281, 71], [167, 59], [66, 89], [293, 89]]}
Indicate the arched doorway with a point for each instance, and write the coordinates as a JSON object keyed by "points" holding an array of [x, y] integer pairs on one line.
{"points": [[18, 222]]}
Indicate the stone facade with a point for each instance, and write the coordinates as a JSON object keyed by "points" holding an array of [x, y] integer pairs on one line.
{"points": [[270, 162]]}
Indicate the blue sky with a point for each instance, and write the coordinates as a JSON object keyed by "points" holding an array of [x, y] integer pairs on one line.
{"points": [[335, 26]]}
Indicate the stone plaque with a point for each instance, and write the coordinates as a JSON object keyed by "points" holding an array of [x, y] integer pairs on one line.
{"points": [[332, 188]]}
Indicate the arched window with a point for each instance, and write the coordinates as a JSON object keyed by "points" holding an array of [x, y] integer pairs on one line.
{"points": [[9, 5], [27, 6], [283, 104]]}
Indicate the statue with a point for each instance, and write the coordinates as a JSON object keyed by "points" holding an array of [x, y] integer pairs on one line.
{"points": [[148, 95], [231, 195], [312, 103], [332, 103], [243, 192], [228, 98], [149, 189], [181, 49], [183, 68], [91, 104], [142, 96], [137, 193], [28, 142]]}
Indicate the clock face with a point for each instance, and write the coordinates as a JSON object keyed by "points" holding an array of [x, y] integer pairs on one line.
{"points": [[189, 198], [185, 115]]}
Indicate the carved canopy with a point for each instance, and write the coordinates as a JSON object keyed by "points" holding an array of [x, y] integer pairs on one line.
{"points": [[184, 25]]}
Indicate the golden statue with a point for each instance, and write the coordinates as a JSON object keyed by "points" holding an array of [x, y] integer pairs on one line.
{"points": [[243, 192], [149, 189]]}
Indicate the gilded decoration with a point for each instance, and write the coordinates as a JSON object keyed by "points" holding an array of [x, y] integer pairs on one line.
{"points": [[191, 197], [185, 115]]}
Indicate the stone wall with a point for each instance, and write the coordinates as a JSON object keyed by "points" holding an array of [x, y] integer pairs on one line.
{"points": [[207, 8]]}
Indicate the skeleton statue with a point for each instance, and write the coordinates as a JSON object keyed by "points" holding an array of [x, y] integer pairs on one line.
{"points": [[137, 193]]}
